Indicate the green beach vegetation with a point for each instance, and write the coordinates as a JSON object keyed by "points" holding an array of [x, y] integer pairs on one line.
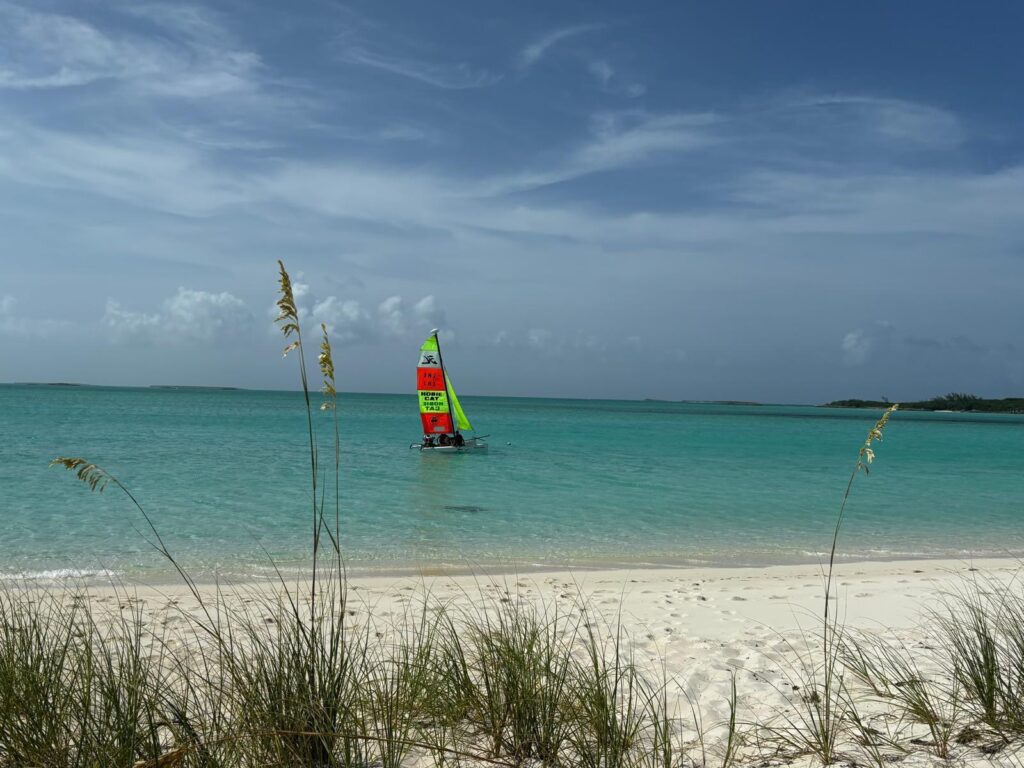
{"points": [[954, 401], [288, 677]]}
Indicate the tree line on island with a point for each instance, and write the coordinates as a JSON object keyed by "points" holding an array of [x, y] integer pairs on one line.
{"points": [[954, 401]]}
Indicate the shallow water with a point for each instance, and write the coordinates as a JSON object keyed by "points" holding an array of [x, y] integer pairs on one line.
{"points": [[225, 476]]}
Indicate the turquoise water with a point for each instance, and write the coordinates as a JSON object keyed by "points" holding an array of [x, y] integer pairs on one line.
{"points": [[224, 474]]}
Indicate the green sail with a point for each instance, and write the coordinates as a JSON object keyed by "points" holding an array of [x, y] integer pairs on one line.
{"points": [[461, 422]]}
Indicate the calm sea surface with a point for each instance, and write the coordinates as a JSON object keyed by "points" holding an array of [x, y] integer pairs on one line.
{"points": [[225, 476]]}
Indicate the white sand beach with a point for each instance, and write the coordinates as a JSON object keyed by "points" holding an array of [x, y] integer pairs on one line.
{"points": [[700, 626]]}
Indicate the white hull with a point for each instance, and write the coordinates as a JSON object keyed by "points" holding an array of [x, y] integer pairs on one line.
{"points": [[471, 446]]}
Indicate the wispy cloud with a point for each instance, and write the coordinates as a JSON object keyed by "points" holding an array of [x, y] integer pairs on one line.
{"points": [[147, 171], [407, 132], [898, 120], [192, 56], [621, 140], [457, 76], [769, 199], [538, 48], [606, 75], [628, 138]]}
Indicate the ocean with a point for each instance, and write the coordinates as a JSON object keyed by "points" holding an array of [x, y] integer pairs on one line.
{"points": [[224, 474]]}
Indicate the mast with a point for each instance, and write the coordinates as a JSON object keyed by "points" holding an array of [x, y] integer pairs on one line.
{"points": [[444, 377]]}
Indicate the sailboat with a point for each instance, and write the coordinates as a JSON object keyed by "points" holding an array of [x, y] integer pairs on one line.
{"points": [[440, 411]]}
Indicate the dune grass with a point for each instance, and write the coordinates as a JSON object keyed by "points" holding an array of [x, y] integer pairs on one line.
{"points": [[73, 691]]}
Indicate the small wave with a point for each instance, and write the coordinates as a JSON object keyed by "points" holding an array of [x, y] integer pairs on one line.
{"points": [[937, 553], [60, 574]]}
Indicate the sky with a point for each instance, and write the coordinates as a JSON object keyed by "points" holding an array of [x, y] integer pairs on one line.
{"points": [[782, 202]]}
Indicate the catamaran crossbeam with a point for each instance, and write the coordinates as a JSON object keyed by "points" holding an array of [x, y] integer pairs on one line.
{"points": [[473, 445]]}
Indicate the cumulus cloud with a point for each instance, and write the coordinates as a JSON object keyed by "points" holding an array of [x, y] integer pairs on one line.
{"points": [[548, 343], [346, 320], [12, 323], [428, 313], [392, 315], [349, 322], [190, 316], [860, 344], [856, 347], [9, 324], [539, 338]]}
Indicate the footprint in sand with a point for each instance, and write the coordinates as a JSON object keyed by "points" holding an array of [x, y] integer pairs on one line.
{"points": [[695, 683]]}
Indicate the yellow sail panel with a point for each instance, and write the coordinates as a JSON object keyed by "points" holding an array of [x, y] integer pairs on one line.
{"points": [[433, 402], [460, 417], [430, 345]]}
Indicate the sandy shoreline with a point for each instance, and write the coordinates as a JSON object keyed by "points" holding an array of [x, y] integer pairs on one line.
{"points": [[674, 605], [890, 593], [697, 626]]}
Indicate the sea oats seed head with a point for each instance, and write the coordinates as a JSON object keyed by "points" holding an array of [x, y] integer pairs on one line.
{"points": [[867, 455], [327, 370], [90, 474], [288, 313]]}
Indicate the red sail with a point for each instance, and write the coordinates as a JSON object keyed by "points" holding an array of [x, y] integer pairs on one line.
{"points": [[435, 412]]}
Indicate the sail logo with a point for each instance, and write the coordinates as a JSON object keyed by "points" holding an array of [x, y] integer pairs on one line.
{"points": [[428, 360], [433, 402]]}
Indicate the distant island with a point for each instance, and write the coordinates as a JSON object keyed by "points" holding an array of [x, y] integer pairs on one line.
{"points": [[954, 401], [191, 386], [721, 402], [703, 402]]}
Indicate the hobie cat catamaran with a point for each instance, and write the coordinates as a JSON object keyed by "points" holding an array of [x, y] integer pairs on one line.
{"points": [[442, 416]]}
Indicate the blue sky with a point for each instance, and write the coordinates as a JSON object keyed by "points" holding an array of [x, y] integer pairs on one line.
{"points": [[776, 201]]}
